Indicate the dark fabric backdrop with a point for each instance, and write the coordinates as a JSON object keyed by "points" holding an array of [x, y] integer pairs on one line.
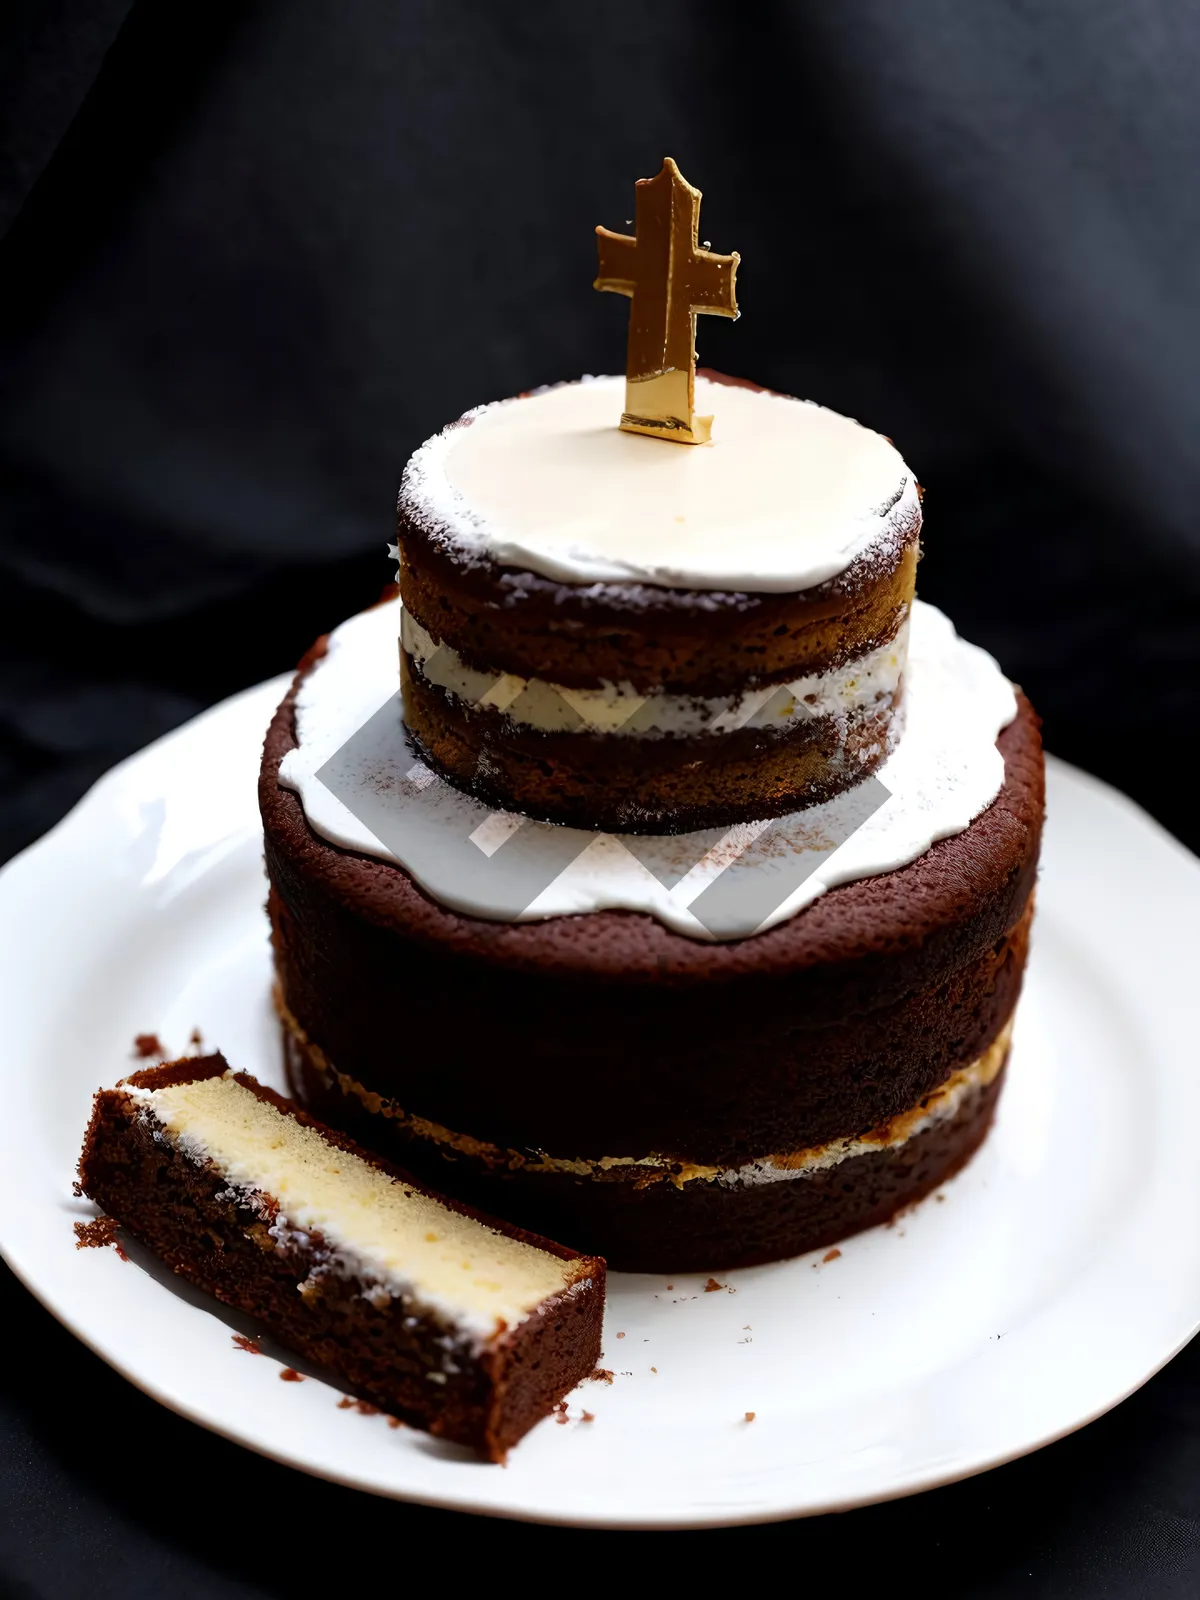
{"points": [[253, 253]]}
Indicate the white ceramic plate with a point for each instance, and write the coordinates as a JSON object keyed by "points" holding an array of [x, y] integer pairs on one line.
{"points": [[1042, 1286]]}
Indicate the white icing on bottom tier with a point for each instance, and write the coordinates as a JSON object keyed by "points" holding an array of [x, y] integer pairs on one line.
{"points": [[943, 772]]}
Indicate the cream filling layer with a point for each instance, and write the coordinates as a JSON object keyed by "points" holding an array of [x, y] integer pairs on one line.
{"points": [[619, 708], [400, 1242], [941, 1105]]}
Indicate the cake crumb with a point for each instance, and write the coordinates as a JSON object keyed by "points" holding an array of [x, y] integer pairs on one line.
{"points": [[250, 1346], [831, 1255], [587, 1416], [713, 1287], [196, 1040], [670, 1286], [290, 1375], [98, 1233], [902, 1215], [146, 1045], [599, 1375], [363, 1407], [620, 1336], [750, 1416], [559, 1413], [653, 1369], [395, 1422]]}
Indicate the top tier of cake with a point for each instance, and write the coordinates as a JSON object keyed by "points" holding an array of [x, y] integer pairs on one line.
{"points": [[621, 633]]}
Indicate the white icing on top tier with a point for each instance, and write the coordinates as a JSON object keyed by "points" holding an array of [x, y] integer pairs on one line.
{"points": [[390, 1235], [787, 495], [943, 772]]}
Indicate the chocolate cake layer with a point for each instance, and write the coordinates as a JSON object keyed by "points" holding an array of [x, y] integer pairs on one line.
{"points": [[681, 1085], [653, 783], [645, 1221], [481, 1383], [609, 1034]]}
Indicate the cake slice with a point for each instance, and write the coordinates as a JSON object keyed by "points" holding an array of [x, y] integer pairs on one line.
{"points": [[448, 1320]]}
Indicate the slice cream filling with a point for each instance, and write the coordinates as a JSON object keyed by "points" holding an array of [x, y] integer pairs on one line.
{"points": [[941, 1105], [855, 686], [400, 1242]]}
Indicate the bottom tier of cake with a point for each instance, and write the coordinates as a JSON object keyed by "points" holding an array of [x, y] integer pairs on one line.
{"points": [[678, 1218], [668, 1103]]}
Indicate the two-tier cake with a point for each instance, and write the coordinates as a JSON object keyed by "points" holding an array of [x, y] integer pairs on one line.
{"points": [[678, 906]]}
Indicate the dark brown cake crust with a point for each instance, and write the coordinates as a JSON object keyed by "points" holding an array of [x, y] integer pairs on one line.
{"points": [[184, 1213], [654, 1226], [699, 1101], [610, 1034]]}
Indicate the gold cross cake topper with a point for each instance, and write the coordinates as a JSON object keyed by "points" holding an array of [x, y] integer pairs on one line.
{"points": [[669, 278]]}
